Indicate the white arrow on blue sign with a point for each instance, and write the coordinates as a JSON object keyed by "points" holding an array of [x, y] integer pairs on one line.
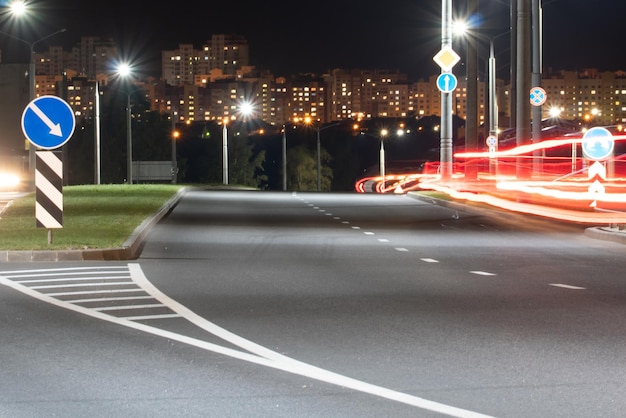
{"points": [[48, 122], [446, 82]]}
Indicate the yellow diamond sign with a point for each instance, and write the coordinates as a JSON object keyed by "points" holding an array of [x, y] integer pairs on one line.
{"points": [[446, 58]]}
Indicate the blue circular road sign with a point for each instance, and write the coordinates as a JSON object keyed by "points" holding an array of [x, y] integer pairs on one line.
{"points": [[446, 82], [598, 144], [48, 122]]}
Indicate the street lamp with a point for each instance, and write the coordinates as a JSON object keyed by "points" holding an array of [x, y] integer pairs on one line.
{"points": [[18, 8], [318, 128], [462, 29], [244, 110], [284, 149], [225, 151], [125, 70], [175, 136], [383, 134]]}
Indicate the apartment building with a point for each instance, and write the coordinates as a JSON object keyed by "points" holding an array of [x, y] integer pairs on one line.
{"points": [[222, 55], [210, 83]]}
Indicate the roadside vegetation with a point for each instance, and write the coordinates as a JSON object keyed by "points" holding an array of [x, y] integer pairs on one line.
{"points": [[94, 216]]}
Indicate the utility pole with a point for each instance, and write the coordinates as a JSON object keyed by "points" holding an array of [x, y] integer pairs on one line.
{"points": [[471, 117], [523, 84]]}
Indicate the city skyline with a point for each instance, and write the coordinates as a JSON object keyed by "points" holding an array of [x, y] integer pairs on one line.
{"points": [[404, 35]]}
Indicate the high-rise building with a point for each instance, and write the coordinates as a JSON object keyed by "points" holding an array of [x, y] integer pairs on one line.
{"points": [[225, 54]]}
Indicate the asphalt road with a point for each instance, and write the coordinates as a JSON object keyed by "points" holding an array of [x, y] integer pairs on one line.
{"points": [[262, 304]]}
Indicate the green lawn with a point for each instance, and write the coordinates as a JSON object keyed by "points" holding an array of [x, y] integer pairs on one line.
{"points": [[94, 216]]}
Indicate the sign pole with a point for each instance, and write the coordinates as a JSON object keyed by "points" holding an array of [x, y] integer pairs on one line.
{"points": [[445, 142], [48, 122]]}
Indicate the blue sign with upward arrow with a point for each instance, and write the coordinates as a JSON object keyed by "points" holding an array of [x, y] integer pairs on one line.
{"points": [[48, 122], [446, 82]]}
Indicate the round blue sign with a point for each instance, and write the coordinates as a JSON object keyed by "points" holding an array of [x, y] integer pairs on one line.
{"points": [[446, 82], [598, 144], [48, 122]]}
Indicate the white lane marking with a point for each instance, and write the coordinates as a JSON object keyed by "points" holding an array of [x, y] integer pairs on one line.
{"points": [[429, 260], [356, 227], [336, 217], [256, 353], [127, 307], [368, 233], [383, 240], [482, 273], [567, 286], [401, 249], [345, 222]]}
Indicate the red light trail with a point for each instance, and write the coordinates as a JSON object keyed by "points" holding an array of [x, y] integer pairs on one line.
{"points": [[582, 191]]}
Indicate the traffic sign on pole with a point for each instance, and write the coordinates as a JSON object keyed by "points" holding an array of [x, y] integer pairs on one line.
{"points": [[446, 82], [538, 96], [446, 58], [48, 122], [598, 144]]}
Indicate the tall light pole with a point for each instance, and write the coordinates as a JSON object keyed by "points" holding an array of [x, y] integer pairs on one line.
{"points": [[318, 129], [175, 136], [31, 93], [244, 109], [225, 151], [284, 150], [97, 133], [445, 141], [383, 134], [125, 71], [129, 141], [462, 29]]}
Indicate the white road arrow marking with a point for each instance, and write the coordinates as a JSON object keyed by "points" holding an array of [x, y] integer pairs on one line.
{"points": [[55, 128]]}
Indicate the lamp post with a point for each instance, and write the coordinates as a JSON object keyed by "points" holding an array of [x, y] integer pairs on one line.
{"points": [[225, 151], [175, 136], [318, 129], [31, 93], [284, 151], [383, 134], [491, 77], [244, 109], [125, 70], [129, 136], [97, 133], [129, 142]]}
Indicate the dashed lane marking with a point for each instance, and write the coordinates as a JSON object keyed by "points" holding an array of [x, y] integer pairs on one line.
{"points": [[567, 286], [482, 273]]}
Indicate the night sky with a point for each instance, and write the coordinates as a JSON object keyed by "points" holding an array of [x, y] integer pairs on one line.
{"points": [[287, 37]]}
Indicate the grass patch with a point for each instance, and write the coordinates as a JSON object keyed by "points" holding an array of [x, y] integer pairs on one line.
{"points": [[94, 216]]}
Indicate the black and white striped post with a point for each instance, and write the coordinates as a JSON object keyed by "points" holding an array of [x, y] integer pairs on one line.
{"points": [[48, 122], [49, 190]]}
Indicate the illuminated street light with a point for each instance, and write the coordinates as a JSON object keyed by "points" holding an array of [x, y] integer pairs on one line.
{"points": [[383, 134], [462, 29], [20, 9], [225, 151], [125, 71], [318, 128], [175, 136], [245, 109]]}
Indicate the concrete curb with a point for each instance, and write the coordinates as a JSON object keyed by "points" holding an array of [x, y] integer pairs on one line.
{"points": [[130, 249]]}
